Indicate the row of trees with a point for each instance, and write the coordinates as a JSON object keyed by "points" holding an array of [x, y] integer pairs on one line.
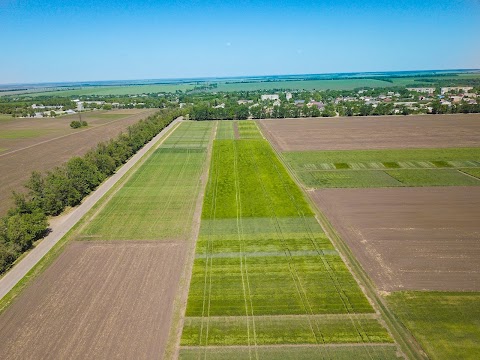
{"points": [[204, 111], [49, 194]]}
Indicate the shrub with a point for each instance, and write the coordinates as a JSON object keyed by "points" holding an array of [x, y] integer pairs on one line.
{"points": [[75, 124]]}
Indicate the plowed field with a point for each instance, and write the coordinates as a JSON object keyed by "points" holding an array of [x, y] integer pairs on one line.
{"points": [[410, 238], [41, 144], [375, 132], [105, 300]]}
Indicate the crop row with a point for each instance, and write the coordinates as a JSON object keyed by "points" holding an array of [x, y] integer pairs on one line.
{"points": [[156, 201], [388, 178], [307, 352], [261, 252]]}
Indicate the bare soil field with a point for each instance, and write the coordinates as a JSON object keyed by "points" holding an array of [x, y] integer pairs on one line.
{"points": [[410, 238], [98, 300], [42, 144], [374, 132]]}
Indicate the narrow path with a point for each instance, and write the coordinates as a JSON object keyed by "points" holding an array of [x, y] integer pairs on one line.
{"points": [[58, 230]]}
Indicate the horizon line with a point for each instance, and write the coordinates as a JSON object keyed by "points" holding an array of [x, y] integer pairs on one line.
{"points": [[199, 78]]}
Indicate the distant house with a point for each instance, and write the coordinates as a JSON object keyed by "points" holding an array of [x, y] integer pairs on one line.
{"points": [[427, 90], [243, 102], [277, 103], [456, 99], [320, 105], [271, 97], [445, 90], [220, 106], [79, 104], [299, 102], [94, 102], [288, 96], [35, 106]]}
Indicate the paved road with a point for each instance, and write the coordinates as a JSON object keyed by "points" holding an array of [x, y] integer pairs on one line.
{"points": [[61, 228]]}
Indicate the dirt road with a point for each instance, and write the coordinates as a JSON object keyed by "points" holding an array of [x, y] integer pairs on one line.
{"points": [[58, 230]]}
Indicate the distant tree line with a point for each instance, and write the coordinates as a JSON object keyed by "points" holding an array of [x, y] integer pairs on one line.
{"points": [[49, 194]]}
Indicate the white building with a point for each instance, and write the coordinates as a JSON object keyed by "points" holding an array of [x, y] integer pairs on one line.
{"points": [[79, 104], [427, 90], [288, 96], [445, 90], [271, 97], [243, 102]]}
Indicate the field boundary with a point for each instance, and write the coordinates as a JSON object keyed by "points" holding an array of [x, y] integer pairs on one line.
{"points": [[15, 275], [172, 348], [319, 346], [401, 335], [75, 133]]}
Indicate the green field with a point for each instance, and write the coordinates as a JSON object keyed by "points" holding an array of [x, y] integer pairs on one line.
{"points": [[116, 90], [386, 168], [225, 130], [472, 172], [22, 133], [447, 325], [338, 352], [264, 271], [342, 84], [157, 202], [6, 117], [255, 85], [248, 130]]}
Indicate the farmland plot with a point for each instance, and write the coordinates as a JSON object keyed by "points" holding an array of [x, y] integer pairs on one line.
{"points": [[158, 200], [386, 168], [410, 238], [225, 130], [447, 324], [42, 144], [265, 274], [110, 298], [374, 132], [98, 300]]}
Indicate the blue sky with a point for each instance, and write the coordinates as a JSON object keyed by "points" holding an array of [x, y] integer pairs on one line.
{"points": [[56, 40]]}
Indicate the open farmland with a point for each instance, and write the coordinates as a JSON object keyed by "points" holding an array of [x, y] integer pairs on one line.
{"points": [[157, 202], [97, 300], [339, 84], [386, 168], [410, 238], [42, 144], [116, 90], [374, 132], [265, 275], [111, 298], [447, 324]]}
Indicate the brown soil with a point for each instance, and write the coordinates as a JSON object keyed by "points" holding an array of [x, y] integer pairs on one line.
{"points": [[56, 144], [98, 300], [374, 132], [410, 238]]}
